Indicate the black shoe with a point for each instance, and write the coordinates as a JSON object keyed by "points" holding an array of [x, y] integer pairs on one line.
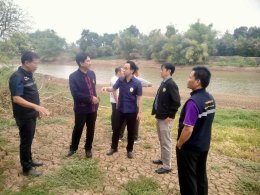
{"points": [[88, 154], [130, 155], [162, 170], [70, 153], [36, 164], [111, 151], [32, 172], [158, 162]]}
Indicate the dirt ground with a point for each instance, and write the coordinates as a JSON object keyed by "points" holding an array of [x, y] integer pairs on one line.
{"points": [[52, 141]]}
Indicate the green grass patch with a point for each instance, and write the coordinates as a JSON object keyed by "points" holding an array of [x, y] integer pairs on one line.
{"points": [[3, 142], [249, 166], [238, 118], [142, 186], [7, 123], [52, 120], [78, 174], [247, 185], [236, 142], [35, 190], [147, 146], [237, 61]]}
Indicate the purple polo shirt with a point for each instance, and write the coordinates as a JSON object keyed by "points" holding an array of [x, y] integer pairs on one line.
{"points": [[191, 113], [128, 92]]}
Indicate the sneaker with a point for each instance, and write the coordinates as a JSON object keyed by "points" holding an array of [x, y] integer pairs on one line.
{"points": [[130, 155], [32, 172], [111, 151], [36, 164], [70, 153], [162, 170], [88, 154]]}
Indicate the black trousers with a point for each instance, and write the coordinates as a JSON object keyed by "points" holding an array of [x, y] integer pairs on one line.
{"points": [[80, 121], [136, 131], [113, 116], [130, 119], [192, 172], [26, 132]]}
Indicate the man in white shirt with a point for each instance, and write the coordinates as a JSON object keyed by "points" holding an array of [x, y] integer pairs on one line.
{"points": [[114, 95]]}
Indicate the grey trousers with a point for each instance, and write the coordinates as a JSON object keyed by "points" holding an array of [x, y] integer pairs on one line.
{"points": [[164, 134]]}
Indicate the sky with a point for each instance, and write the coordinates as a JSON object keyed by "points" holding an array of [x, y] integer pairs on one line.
{"points": [[69, 17]]}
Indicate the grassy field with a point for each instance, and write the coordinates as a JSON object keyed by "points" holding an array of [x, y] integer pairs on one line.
{"points": [[236, 133]]}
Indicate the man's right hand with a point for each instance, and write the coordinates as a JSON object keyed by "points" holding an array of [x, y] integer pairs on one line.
{"points": [[95, 100], [42, 111]]}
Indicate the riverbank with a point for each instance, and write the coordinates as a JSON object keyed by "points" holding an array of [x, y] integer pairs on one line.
{"points": [[233, 163]]}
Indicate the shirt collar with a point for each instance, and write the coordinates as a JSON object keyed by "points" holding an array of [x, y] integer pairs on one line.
{"points": [[29, 74], [167, 78]]}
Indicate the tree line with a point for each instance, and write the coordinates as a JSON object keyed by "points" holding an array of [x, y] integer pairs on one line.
{"points": [[191, 47]]}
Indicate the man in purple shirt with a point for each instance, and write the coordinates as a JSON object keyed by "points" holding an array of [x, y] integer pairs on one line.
{"points": [[128, 108], [194, 134], [83, 90]]}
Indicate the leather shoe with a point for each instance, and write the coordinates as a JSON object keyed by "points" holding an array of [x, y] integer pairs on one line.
{"points": [[36, 164], [130, 155], [88, 154], [162, 170], [158, 162], [32, 172], [70, 153], [111, 151]]}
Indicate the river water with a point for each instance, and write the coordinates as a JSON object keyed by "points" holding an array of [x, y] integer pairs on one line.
{"points": [[233, 81]]}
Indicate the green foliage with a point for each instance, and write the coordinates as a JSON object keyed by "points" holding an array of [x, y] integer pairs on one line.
{"points": [[203, 34], [244, 42], [77, 174], [5, 100], [247, 185], [12, 19], [237, 61], [142, 186], [148, 146], [47, 44], [238, 118], [249, 166], [126, 43]]}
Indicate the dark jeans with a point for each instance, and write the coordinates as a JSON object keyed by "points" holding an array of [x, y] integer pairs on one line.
{"points": [[26, 132], [113, 116], [80, 121], [122, 130], [192, 172], [130, 119]]}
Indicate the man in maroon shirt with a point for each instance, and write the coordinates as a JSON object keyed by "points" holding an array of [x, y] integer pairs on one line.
{"points": [[83, 90]]}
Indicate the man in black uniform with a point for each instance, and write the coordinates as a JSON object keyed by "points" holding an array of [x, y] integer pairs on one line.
{"points": [[26, 108]]}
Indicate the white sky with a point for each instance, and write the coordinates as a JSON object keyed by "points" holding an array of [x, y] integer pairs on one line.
{"points": [[69, 17]]}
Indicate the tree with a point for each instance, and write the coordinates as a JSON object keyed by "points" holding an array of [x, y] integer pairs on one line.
{"points": [[225, 45], [155, 43], [12, 19], [240, 32], [170, 30], [128, 42], [203, 34], [47, 44]]}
